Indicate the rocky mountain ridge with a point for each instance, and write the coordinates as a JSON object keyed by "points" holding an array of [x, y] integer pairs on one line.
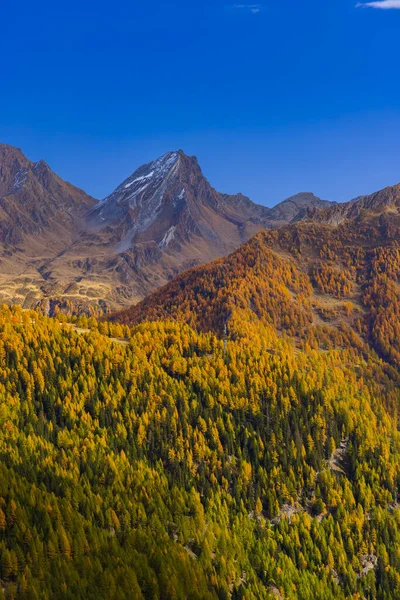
{"points": [[381, 202], [63, 248], [34, 201]]}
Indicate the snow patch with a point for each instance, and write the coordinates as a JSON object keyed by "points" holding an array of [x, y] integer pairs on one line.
{"points": [[128, 185], [158, 170], [168, 237], [179, 198], [141, 189]]}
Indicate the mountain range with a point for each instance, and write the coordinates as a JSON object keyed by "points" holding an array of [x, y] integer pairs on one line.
{"points": [[58, 245], [235, 434]]}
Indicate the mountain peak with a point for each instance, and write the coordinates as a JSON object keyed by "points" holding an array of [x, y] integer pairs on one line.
{"points": [[14, 167], [7, 149], [35, 201], [16, 170], [303, 197], [296, 207], [168, 202], [148, 189]]}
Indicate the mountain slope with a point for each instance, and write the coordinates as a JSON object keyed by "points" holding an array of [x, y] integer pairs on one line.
{"points": [[161, 220], [35, 202], [320, 283], [41, 217], [249, 449], [173, 465]]}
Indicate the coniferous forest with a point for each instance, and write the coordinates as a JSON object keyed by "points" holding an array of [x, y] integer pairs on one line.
{"points": [[236, 436]]}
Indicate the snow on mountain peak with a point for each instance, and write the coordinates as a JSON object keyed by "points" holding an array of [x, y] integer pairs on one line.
{"points": [[139, 199], [164, 163], [151, 175], [139, 179]]}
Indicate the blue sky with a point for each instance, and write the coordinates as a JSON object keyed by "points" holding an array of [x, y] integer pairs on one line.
{"points": [[273, 98]]}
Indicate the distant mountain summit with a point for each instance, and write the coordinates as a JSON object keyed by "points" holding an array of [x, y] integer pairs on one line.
{"points": [[296, 207], [169, 203]]}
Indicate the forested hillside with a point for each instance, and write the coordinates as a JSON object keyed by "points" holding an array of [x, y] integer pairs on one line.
{"points": [[319, 284], [178, 465]]}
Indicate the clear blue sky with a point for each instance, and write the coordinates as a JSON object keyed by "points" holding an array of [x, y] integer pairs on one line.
{"points": [[274, 99]]}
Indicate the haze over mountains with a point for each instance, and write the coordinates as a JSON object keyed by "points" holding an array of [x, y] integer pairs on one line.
{"points": [[59, 245]]}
